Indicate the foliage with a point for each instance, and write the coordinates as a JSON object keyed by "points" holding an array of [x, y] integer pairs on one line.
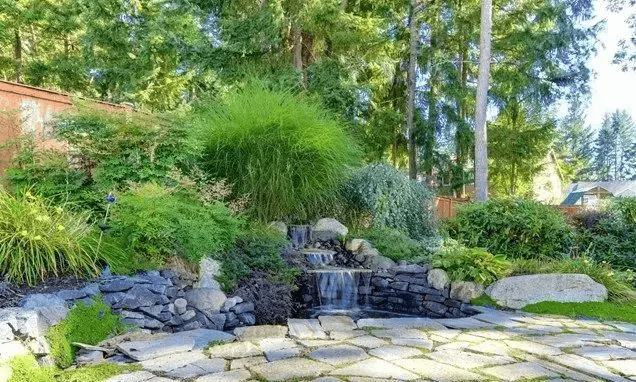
{"points": [[289, 155], [26, 369], [604, 310], [620, 285], [484, 300], [471, 264], [614, 155], [258, 248], [87, 324], [517, 228], [397, 245], [125, 147], [38, 238], [156, 222], [394, 200]]}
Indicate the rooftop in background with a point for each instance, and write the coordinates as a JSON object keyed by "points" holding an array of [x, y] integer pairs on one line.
{"points": [[589, 193]]}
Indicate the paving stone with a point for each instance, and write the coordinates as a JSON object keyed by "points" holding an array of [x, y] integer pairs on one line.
{"points": [[627, 340], [391, 353], [306, 329], [338, 355], [543, 329], [172, 361], [437, 371], [406, 322], [188, 371], [533, 347], [375, 368], [624, 366], [327, 379], [339, 335], [498, 319], [464, 323], [605, 353], [625, 327], [490, 347], [226, 376], [559, 369], [242, 363], [139, 376], [467, 360], [455, 345], [337, 323], [568, 340], [467, 337], [585, 365], [235, 350], [413, 342], [145, 350], [160, 379], [521, 370], [257, 332], [278, 354], [290, 368], [211, 365], [400, 333], [202, 337], [368, 342], [318, 343], [446, 333]]}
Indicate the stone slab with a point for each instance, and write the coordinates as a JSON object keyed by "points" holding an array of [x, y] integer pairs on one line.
{"points": [[139, 376], [257, 332], [623, 366], [533, 347], [188, 371], [242, 363], [467, 360], [368, 342], [464, 323], [290, 368], [376, 368], [211, 365], [392, 353], [338, 355], [172, 361], [585, 365], [203, 337], [437, 371], [226, 376], [339, 335], [235, 350], [606, 353], [337, 323], [145, 350], [521, 370], [306, 329], [405, 322]]}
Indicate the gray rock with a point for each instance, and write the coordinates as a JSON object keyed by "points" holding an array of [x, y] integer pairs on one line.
{"points": [[260, 332], [354, 244], [156, 288], [519, 291], [90, 358], [279, 227], [208, 270], [228, 304], [247, 318], [206, 299], [180, 305], [152, 311], [466, 290], [137, 297], [69, 294], [192, 326], [411, 268], [154, 348], [40, 300], [151, 323], [245, 307], [438, 279], [132, 315], [378, 262], [174, 321], [328, 229], [11, 349], [91, 290], [188, 315], [118, 285], [113, 299], [216, 321]]}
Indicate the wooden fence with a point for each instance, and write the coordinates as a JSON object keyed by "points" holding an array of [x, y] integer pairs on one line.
{"points": [[445, 208]]}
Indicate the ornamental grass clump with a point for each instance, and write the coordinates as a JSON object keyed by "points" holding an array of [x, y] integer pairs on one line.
{"points": [[287, 154], [38, 239]]}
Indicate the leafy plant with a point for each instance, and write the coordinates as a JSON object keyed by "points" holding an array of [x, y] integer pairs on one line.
{"points": [[157, 222], [393, 199], [518, 228], [619, 284], [38, 239], [471, 264], [288, 154], [87, 324], [397, 245]]}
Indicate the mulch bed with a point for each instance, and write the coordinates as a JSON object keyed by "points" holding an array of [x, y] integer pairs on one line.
{"points": [[10, 295]]}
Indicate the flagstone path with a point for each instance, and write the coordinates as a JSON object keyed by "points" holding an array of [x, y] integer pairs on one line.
{"points": [[492, 346]]}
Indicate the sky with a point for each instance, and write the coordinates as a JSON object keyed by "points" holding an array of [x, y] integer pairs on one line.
{"points": [[611, 88]]}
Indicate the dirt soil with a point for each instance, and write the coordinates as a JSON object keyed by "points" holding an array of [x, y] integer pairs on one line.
{"points": [[10, 295]]}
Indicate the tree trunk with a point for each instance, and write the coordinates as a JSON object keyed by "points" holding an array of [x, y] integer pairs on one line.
{"points": [[410, 107], [297, 48], [481, 150], [17, 56]]}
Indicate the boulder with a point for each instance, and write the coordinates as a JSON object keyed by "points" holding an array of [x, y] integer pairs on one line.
{"points": [[40, 300], [354, 244], [438, 279], [378, 262], [279, 227], [328, 229], [208, 270], [519, 291], [208, 300], [466, 290]]}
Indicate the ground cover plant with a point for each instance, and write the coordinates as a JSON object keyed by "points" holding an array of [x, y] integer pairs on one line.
{"points": [[517, 228], [87, 324], [392, 199], [286, 153], [471, 264], [603, 310], [38, 239]]}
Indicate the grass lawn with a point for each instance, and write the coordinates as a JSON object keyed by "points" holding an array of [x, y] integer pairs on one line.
{"points": [[601, 310]]}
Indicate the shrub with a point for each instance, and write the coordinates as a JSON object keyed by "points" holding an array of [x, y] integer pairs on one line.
{"points": [[518, 228], [259, 248], [618, 284], [87, 324], [393, 199], [157, 222], [397, 245], [471, 264], [38, 239], [289, 155]]}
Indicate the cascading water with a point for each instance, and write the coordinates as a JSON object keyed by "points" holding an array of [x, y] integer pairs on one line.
{"points": [[299, 235], [319, 256], [337, 289]]}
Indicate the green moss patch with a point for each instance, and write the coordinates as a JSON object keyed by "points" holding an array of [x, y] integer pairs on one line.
{"points": [[601, 310]]}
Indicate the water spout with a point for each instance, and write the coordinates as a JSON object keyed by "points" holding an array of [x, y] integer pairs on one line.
{"points": [[300, 235]]}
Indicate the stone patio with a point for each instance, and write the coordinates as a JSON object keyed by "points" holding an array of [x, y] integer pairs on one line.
{"points": [[493, 346]]}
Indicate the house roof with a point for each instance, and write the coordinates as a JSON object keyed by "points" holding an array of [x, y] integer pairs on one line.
{"points": [[615, 188]]}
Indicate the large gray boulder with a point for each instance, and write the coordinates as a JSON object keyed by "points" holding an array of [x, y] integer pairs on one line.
{"points": [[207, 300], [438, 279], [328, 229], [519, 291], [208, 270], [466, 290]]}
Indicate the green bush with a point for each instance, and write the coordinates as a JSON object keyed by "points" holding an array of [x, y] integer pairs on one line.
{"points": [[397, 245], [38, 239], [619, 284], [156, 222], [87, 324], [518, 228], [25, 369], [287, 154], [471, 264], [259, 248], [393, 199]]}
